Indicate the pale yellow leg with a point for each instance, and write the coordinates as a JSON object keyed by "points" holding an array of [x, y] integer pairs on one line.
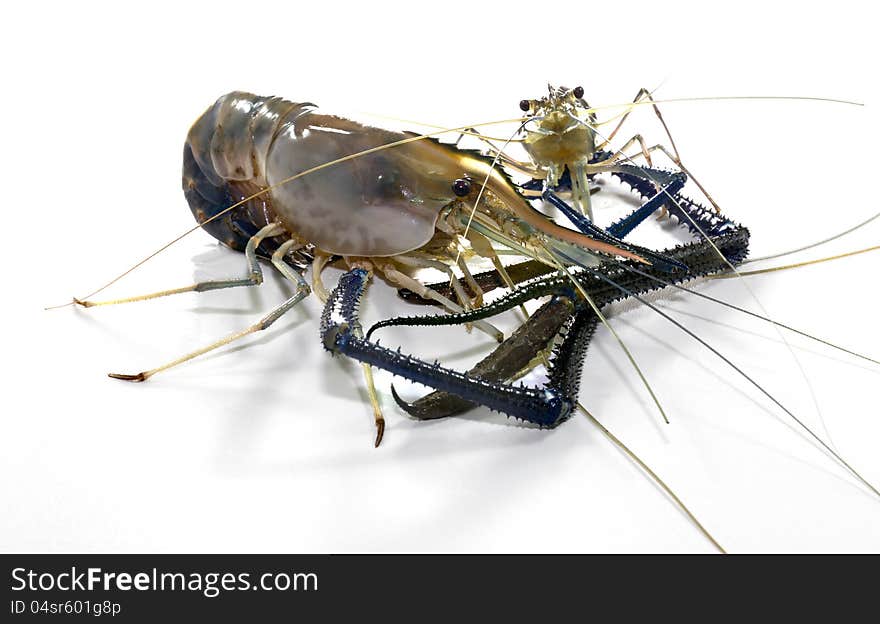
{"points": [[645, 150], [405, 281], [419, 261], [358, 331], [477, 299], [301, 293], [644, 94], [254, 277], [318, 265], [520, 166], [374, 401], [483, 248]]}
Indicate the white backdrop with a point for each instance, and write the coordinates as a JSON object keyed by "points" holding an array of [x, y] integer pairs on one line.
{"points": [[267, 446]]}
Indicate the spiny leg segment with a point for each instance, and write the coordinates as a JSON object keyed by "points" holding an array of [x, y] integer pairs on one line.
{"points": [[715, 230], [700, 258], [546, 406]]}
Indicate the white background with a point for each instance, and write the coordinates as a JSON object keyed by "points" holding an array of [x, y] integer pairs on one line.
{"points": [[267, 446]]}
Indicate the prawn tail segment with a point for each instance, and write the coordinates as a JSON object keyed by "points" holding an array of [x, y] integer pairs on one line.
{"points": [[207, 198], [341, 331]]}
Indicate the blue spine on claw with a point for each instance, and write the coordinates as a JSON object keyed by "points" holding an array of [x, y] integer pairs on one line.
{"points": [[611, 282], [615, 234], [698, 219], [567, 362], [670, 184], [340, 329]]}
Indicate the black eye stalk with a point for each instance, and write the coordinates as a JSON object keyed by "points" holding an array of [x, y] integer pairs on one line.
{"points": [[578, 92], [461, 187], [524, 105]]}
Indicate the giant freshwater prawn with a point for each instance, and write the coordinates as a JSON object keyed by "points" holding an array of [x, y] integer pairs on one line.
{"points": [[283, 182]]}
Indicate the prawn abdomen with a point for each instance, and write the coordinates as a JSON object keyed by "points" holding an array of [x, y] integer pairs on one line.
{"points": [[224, 162], [379, 204]]}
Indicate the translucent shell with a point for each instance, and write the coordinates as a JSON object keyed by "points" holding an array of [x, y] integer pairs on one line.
{"points": [[380, 204]]}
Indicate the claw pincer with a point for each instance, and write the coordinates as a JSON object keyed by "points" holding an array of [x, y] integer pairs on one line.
{"points": [[575, 323], [339, 333], [267, 176]]}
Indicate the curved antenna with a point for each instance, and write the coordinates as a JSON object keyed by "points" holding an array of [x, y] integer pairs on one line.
{"points": [[745, 284], [438, 127], [723, 98], [641, 464], [761, 306], [727, 304], [816, 244], [797, 265], [276, 185], [629, 106], [745, 375]]}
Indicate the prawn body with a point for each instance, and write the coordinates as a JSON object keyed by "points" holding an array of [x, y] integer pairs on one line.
{"points": [[380, 204], [558, 138], [280, 180], [245, 143]]}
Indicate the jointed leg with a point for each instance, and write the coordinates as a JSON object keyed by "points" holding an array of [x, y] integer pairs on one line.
{"points": [[284, 268], [302, 291], [483, 248], [644, 94], [405, 281], [645, 150], [580, 190], [378, 418], [254, 277], [420, 261], [662, 148], [543, 406], [520, 166], [477, 299], [318, 265], [366, 266], [655, 177]]}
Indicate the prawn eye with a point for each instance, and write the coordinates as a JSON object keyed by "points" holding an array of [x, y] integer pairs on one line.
{"points": [[461, 187], [524, 105], [578, 92]]}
